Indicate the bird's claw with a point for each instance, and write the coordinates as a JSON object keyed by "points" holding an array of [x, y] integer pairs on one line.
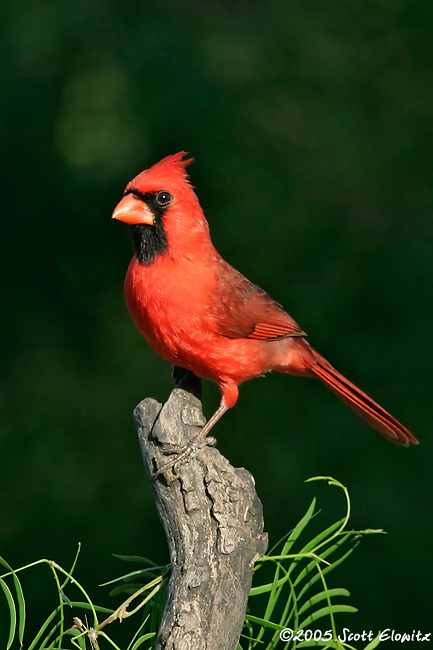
{"points": [[184, 454]]}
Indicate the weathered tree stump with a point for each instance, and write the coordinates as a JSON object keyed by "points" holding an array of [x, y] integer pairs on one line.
{"points": [[213, 521]]}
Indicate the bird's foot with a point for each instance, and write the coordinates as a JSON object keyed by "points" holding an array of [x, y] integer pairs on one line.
{"points": [[184, 454]]}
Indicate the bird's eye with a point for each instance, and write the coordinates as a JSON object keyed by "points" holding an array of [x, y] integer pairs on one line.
{"points": [[163, 198]]}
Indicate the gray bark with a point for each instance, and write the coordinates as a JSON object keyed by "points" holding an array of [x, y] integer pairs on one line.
{"points": [[213, 521]]}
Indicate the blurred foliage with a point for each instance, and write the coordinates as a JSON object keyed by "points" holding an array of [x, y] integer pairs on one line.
{"points": [[311, 125]]}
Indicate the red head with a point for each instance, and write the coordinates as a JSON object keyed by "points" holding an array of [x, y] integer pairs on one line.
{"points": [[163, 210]]}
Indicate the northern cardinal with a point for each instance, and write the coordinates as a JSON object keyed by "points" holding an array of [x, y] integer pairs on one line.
{"points": [[201, 314]]}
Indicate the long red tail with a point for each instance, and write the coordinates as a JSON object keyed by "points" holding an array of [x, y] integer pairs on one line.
{"points": [[361, 403]]}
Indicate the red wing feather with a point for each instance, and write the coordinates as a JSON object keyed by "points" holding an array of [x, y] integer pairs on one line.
{"points": [[240, 309]]}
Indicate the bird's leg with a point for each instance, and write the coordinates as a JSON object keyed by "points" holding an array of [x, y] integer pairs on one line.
{"points": [[187, 380], [184, 454]]}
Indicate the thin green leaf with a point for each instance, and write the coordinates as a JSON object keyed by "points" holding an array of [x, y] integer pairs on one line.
{"points": [[290, 609], [325, 554], [374, 643], [65, 598], [72, 569], [133, 574], [298, 528], [78, 637], [130, 588], [326, 611], [322, 537], [262, 589], [145, 619], [294, 533], [21, 601], [46, 643], [249, 638], [142, 639], [272, 600], [311, 566], [44, 627], [12, 613], [325, 571], [323, 595], [263, 622], [333, 481], [97, 608], [136, 558]]}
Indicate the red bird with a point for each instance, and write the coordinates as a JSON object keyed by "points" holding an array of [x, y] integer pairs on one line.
{"points": [[201, 314]]}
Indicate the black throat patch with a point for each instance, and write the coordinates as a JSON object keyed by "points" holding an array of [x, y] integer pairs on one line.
{"points": [[149, 240]]}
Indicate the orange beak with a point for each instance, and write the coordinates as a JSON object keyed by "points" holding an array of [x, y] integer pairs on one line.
{"points": [[133, 211]]}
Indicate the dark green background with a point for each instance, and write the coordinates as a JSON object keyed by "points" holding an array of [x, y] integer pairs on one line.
{"points": [[311, 126]]}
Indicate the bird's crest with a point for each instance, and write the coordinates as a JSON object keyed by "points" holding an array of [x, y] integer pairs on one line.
{"points": [[171, 168]]}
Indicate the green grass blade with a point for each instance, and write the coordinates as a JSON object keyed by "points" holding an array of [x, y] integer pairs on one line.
{"points": [[12, 613], [136, 558], [78, 638], [326, 552], [322, 538], [128, 588], [260, 589], [44, 645], [263, 622], [269, 586], [142, 639], [272, 600], [149, 573], [65, 599], [74, 563], [323, 595], [43, 628], [326, 611], [374, 643], [324, 571], [97, 608], [21, 601], [294, 533], [323, 556], [290, 610], [298, 529]]}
